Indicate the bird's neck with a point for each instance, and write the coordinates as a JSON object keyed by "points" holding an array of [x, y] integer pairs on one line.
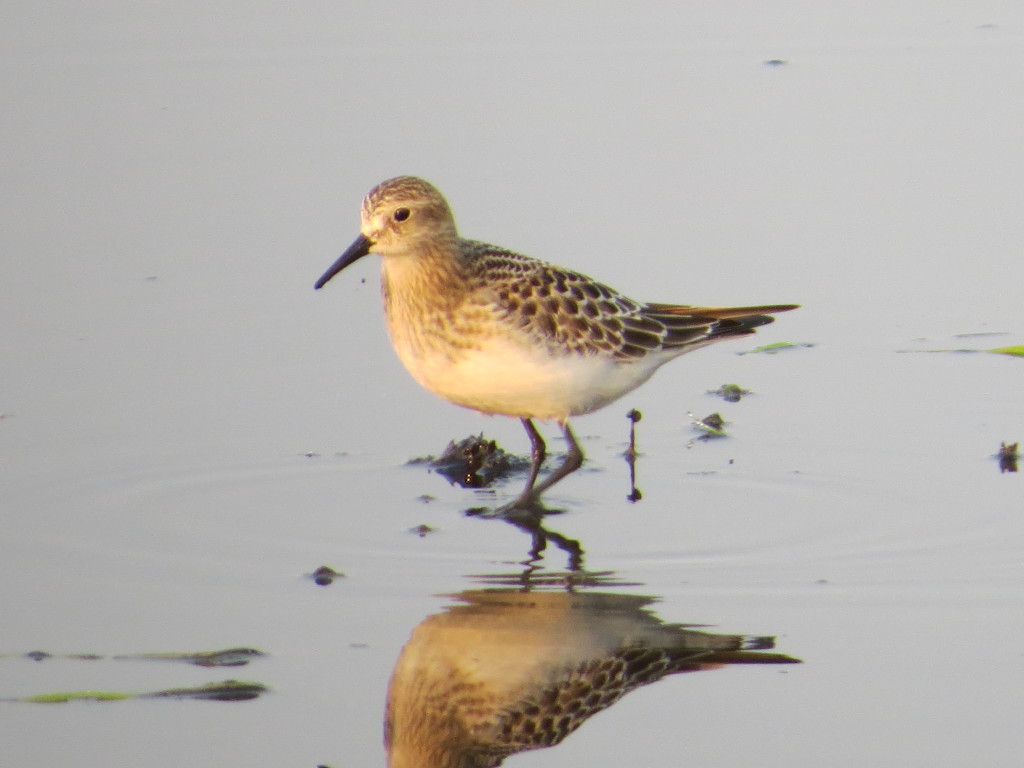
{"points": [[426, 280]]}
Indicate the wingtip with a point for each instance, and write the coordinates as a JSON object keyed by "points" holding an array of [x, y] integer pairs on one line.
{"points": [[722, 313]]}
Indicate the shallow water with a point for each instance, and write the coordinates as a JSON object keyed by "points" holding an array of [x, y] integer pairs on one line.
{"points": [[189, 430]]}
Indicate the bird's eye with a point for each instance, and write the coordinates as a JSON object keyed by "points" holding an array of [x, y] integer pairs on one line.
{"points": [[401, 214]]}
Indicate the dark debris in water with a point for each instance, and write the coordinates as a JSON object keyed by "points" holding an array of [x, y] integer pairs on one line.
{"points": [[229, 657], [475, 462], [325, 576], [775, 348], [421, 530], [731, 393], [1009, 455], [711, 425], [44, 655], [228, 690], [1014, 350]]}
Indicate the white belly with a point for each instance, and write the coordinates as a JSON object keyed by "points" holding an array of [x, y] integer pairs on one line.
{"points": [[513, 380]]}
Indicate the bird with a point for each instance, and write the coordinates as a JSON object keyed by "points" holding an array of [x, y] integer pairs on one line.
{"points": [[506, 334], [505, 671]]}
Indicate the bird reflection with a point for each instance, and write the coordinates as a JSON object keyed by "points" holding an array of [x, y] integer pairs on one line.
{"points": [[505, 671]]}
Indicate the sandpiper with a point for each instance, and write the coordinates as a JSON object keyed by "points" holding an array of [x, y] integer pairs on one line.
{"points": [[505, 671], [503, 333]]}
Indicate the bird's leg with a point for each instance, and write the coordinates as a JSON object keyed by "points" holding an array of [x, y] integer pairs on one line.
{"points": [[573, 460], [539, 452]]}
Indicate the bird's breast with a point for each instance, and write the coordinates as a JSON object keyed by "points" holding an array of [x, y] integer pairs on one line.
{"points": [[464, 347]]}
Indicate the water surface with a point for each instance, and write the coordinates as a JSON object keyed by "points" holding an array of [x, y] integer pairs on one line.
{"points": [[189, 430]]}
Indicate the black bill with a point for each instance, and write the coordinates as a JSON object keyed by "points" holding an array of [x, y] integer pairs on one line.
{"points": [[353, 253]]}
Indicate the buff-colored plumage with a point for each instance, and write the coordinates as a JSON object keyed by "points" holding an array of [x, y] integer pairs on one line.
{"points": [[503, 333], [504, 672]]}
